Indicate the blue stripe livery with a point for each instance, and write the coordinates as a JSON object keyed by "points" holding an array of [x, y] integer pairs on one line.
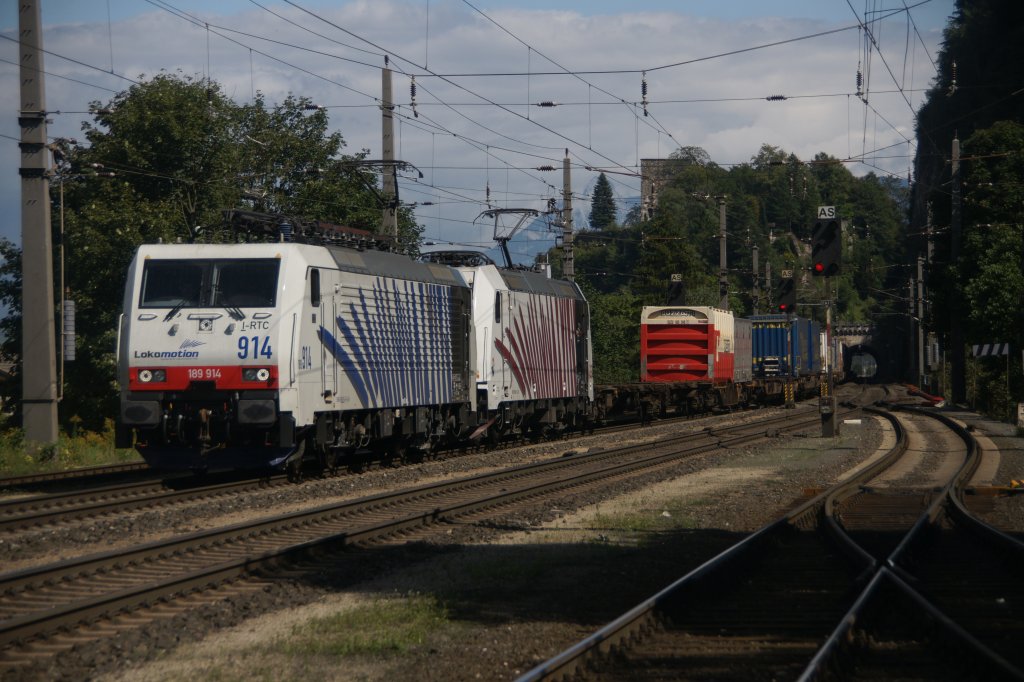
{"points": [[394, 342]]}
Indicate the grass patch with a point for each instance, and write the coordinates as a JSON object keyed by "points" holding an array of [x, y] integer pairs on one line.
{"points": [[651, 521], [69, 452], [389, 626], [631, 522]]}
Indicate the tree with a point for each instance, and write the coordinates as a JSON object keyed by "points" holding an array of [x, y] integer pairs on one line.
{"points": [[615, 334], [992, 268], [602, 205], [10, 326], [973, 92]]}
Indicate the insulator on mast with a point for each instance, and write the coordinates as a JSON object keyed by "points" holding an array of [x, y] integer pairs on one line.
{"points": [[860, 82], [952, 85], [643, 91], [412, 96]]}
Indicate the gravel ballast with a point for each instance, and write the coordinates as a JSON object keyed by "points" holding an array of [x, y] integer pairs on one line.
{"points": [[515, 589]]}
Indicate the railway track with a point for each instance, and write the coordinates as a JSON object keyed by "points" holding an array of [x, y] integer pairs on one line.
{"points": [[100, 473], [102, 476], [861, 582], [29, 512], [48, 609], [66, 507]]}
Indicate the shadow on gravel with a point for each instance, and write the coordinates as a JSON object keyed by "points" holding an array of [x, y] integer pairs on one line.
{"points": [[587, 583]]}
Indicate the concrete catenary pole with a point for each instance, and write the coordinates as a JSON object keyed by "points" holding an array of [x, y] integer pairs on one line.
{"points": [[389, 225], [723, 272], [921, 369], [957, 360], [757, 287], [912, 349], [38, 354], [568, 267]]}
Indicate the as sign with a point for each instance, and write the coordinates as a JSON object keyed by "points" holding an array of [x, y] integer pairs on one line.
{"points": [[826, 212]]}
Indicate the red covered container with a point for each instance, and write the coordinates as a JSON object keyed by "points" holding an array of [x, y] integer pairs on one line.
{"points": [[693, 344]]}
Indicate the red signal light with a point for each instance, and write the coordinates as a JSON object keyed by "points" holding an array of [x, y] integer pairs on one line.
{"points": [[819, 268]]}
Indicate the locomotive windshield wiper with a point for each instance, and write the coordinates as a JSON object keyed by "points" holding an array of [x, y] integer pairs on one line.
{"points": [[235, 312], [175, 310]]}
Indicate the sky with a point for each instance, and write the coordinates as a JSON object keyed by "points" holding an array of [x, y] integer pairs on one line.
{"points": [[483, 66]]}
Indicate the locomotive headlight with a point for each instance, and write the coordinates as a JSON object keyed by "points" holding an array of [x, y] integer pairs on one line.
{"points": [[255, 374], [262, 374], [145, 376]]}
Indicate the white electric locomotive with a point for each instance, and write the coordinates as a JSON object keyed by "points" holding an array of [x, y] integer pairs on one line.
{"points": [[266, 354], [532, 334]]}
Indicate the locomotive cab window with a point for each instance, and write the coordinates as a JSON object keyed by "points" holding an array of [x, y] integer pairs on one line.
{"points": [[238, 283], [314, 287]]}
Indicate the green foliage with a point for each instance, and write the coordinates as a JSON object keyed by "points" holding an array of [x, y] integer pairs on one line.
{"points": [[991, 271], [770, 203], [383, 627], [980, 288], [10, 326], [615, 334], [69, 452], [992, 268], [602, 204]]}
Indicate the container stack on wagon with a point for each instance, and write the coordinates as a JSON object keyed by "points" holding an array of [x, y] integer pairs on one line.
{"points": [[694, 344], [785, 347]]}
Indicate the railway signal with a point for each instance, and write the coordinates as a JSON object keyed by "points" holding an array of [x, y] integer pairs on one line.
{"points": [[826, 248], [787, 295]]}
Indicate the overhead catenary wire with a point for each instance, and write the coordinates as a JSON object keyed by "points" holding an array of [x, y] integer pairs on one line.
{"points": [[60, 76], [576, 75], [517, 141], [196, 21], [416, 115], [453, 83], [77, 61]]}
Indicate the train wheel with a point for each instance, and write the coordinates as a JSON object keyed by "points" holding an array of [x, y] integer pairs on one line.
{"points": [[493, 437], [398, 451], [294, 470], [329, 461]]}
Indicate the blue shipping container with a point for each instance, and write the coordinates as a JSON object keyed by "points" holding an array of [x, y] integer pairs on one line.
{"points": [[784, 347]]}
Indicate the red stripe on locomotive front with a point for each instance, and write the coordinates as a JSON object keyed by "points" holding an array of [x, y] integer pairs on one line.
{"points": [[224, 377]]}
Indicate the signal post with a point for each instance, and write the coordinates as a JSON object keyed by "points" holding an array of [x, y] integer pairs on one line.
{"points": [[787, 305], [826, 259]]}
